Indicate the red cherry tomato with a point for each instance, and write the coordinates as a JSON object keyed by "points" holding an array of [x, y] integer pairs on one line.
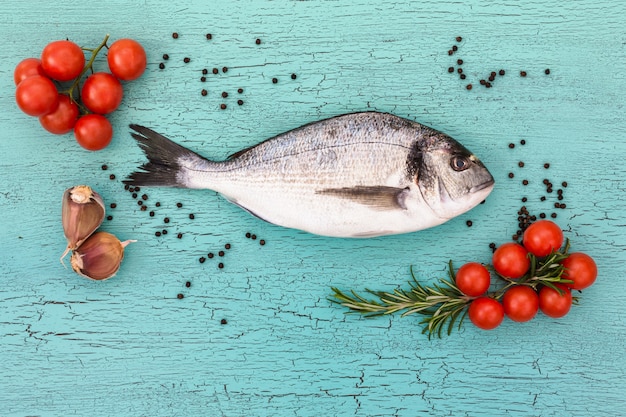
{"points": [[473, 279], [580, 268], [520, 303], [27, 68], [62, 60], [127, 59], [486, 313], [63, 119], [93, 132], [36, 95], [511, 260], [553, 304], [102, 93], [543, 237]]}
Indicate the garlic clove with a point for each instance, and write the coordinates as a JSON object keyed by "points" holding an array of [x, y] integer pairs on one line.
{"points": [[82, 213], [99, 257]]}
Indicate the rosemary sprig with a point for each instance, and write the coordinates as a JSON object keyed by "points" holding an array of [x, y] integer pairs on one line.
{"points": [[439, 304]]}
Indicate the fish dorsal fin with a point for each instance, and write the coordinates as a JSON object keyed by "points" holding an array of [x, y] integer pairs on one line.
{"points": [[378, 197]]}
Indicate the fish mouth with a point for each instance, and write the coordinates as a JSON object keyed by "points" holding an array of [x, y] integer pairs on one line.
{"points": [[482, 186]]}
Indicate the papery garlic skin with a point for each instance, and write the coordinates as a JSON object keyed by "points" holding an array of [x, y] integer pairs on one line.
{"points": [[82, 213], [99, 257]]}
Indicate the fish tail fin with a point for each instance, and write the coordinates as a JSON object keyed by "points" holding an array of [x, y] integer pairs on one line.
{"points": [[165, 160]]}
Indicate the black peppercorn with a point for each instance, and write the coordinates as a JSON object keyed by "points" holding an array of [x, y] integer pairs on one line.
{"points": [[112, 176], [547, 71], [220, 253], [224, 321], [210, 255], [179, 205], [511, 145], [501, 72], [186, 60], [224, 69], [164, 232], [152, 214], [215, 71], [224, 94], [105, 167], [469, 223], [187, 284], [180, 296], [209, 36], [511, 175], [240, 90], [166, 57], [191, 216], [469, 86], [294, 76], [223, 106], [523, 73], [546, 165], [455, 48], [144, 197], [248, 235], [158, 204], [274, 80], [204, 92], [451, 69], [157, 234], [180, 235], [520, 164], [258, 41], [205, 71], [202, 79], [113, 205], [262, 242], [166, 220], [227, 246], [522, 142], [175, 35], [109, 217], [220, 265], [202, 259], [240, 102]]}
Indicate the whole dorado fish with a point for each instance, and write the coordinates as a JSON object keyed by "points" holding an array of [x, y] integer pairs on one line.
{"points": [[356, 175]]}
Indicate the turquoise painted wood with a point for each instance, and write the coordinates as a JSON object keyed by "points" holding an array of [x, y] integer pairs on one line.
{"points": [[129, 347]]}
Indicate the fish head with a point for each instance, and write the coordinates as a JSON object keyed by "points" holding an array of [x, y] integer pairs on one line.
{"points": [[451, 179]]}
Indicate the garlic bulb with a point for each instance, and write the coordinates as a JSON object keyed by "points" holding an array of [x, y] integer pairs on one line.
{"points": [[99, 257], [82, 213]]}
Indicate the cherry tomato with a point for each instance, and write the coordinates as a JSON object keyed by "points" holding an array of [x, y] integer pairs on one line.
{"points": [[93, 132], [520, 303], [102, 93], [543, 237], [36, 95], [27, 68], [486, 313], [473, 279], [580, 268], [62, 60], [553, 304], [127, 59], [511, 260], [63, 119]]}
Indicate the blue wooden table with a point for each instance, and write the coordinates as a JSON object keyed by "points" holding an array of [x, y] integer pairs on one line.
{"points": [[259, 337]]}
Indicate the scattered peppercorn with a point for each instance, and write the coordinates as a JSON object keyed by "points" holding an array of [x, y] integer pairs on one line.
{"points": [[105, 167], [511, 175], [157, 234], [204, 92], [166, 57], [224, 94], [220, 253], [140, 203], [180, 235], [215, 71], [523, 73], [511, 145], [210, 255], [175, 35], [525, 182], [144, 197], [113, 205], [240, 90], [109, 217], [253, 237], [143, 208], [220, 265], [459, 70], [180, 296], [455, 48], [546, 165], [258, 41], [501, 72], [564, 184], [520, 164], [274, 80], [186, 60], [547, 71], [469, 223], [112, 176], [294, 76], [179, 205], [158, 204], [134, 195], [223, 106], [522, 142], [459, 39], [202, 259], [248, 235], [224, 69], [191, 216], [240, 102], [462, 76], [166, 220], [202, 79], [451, 69], [164, 232], [151, 214], [224, 321], [469, 86], [209, 36], [187, 284], [227, 246]]}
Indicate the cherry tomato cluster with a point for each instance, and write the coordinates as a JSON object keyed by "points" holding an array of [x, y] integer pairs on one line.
{"points": [[538, 277], [47, 86]]}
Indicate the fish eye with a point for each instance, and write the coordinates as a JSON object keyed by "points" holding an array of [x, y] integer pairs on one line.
{"points": [[459, 163]]}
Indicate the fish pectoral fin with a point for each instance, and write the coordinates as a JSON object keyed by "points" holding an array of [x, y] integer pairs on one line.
{"points": [[378, 197]]}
